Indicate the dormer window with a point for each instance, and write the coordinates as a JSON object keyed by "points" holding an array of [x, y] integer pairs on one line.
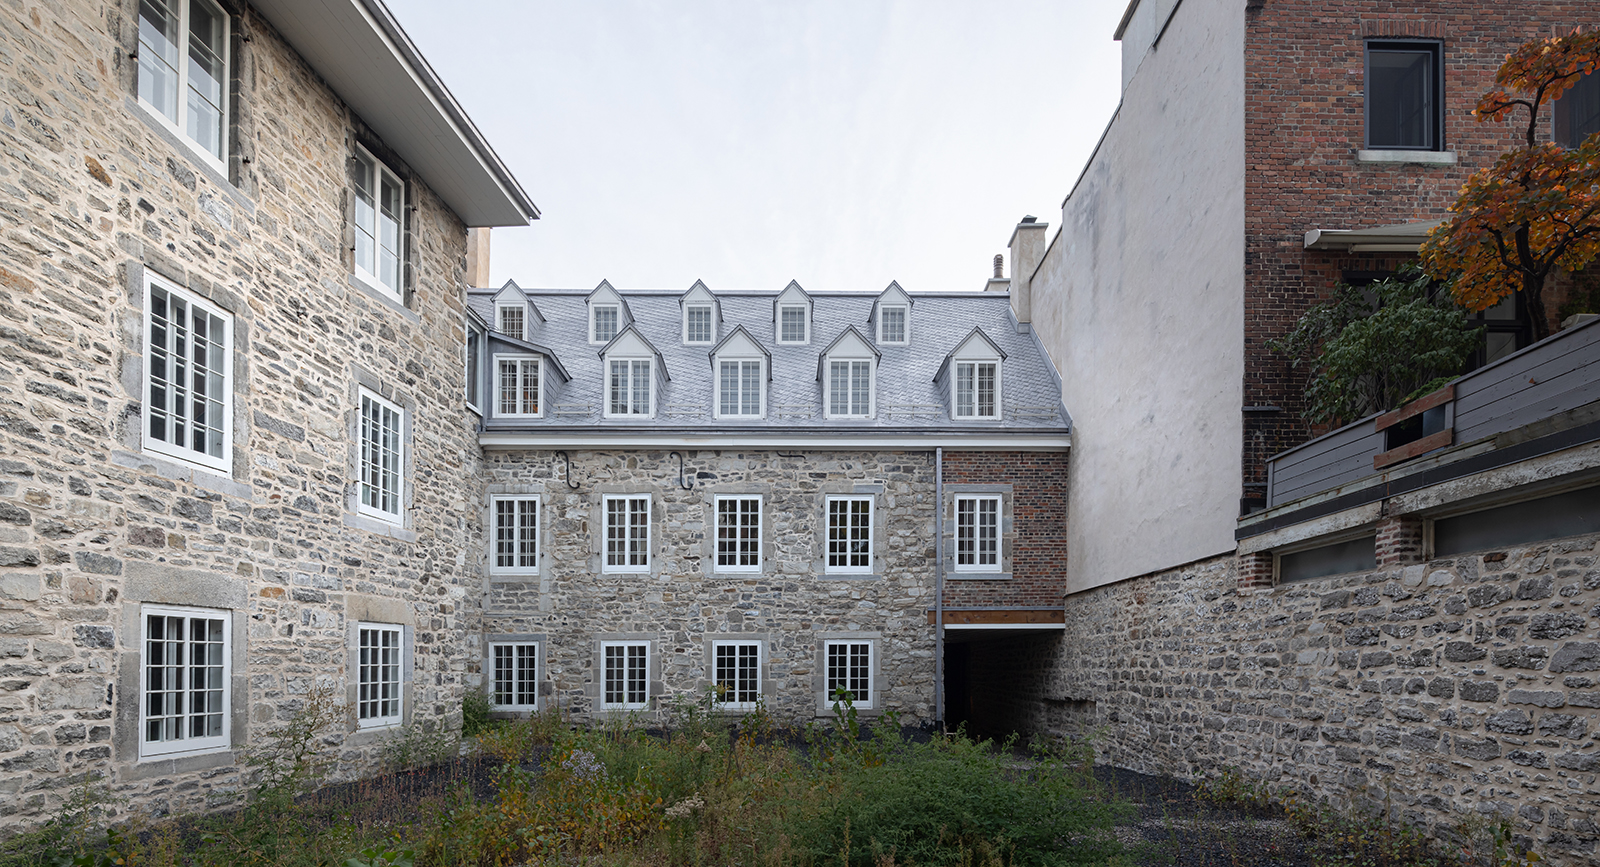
{"points": [[792, 324], [604, 324], [628, 387], [977, 388], [697, 324], [891, 314], [740, 365], [517, 386], [848, 368], [892, 324], [512, 320], [608, 313]]}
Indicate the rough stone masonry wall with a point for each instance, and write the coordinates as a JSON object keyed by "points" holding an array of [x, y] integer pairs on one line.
{"points": [[91, 194], [1461, 686]]}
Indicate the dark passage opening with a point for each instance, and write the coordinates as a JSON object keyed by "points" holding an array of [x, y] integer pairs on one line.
{"points": [[994, 680]]}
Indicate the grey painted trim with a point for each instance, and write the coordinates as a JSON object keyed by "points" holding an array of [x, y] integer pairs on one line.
{"points": [[819, 678], [186, 149], [643, 435], [384, 298]]}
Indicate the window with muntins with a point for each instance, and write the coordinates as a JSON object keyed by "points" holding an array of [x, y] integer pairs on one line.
{"points": [[511, 320], [739, 388], [183, 70], [627, 534], [737, 669], [605, 322], [474, 362], [378, 682], [738, 534], [516, 675], [892, 324], [849, 668], [380, 221], [792, 324], [975, 389], [518, 386], [629, 391], [516, 535], [849, 534], [697, 324], [381, 457], [978, 533], [849, 388], [185, 666], [627, 674], [188, 377], [1577, 112], [1403, 96]]}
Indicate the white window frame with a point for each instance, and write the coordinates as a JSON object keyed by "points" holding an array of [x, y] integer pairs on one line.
{"points": [[976, 526], [716, 535], [523, 362], [872, 387], [594, 322], [472, 353], [717, 646], [650, 391], [605, 671], [179, 126], [711, 323], [805, 323], [362, 507], [761, 387], [184, 745], [627, 532], [859, 700], [828, 538], [905, 323], [364, 273], [220, 463], [519, 533], [955, 388], [500, 311], [519, 652], [380, 719]]}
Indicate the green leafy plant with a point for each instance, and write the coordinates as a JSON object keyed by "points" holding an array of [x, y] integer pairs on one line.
{"points": [[475, 708], [418, 746]]}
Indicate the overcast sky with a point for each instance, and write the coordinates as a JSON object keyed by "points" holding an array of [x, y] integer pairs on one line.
{"points": [[841, 144]]}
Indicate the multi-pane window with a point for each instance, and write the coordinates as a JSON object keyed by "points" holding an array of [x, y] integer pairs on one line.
{"points": [[511, 318], [792, 324], [977, 532], [605, 322], [185, 669], [516, 675], [183, 69], [517, 386], [381, 457], [736, 666], [849, 667], [975, 389], [1403, 95], [1578, 112], [188, 364], [697, 324], [892, 324], [849, 534], [739, 388], [379, 212], [629, 387], [626, 674], [474, 351], [516, 535], [849, 388], [738, 534], [378, 651], [627, 534]]}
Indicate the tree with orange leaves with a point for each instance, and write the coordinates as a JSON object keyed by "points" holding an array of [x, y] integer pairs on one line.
{"points": [[1538, 208]]}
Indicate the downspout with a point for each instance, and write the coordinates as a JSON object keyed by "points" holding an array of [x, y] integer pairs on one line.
{"points": [[938, 587]]}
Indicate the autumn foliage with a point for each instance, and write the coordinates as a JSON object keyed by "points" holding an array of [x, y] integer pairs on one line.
{"points": [[1538, 208]]}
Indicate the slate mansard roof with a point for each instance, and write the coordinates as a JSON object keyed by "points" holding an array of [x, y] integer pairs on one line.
{"points": [[912, 390]]}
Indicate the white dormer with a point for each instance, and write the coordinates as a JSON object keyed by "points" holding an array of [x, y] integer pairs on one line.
{"points": [[514, 315], [848, 371], [791, 315], [608, 314], [702, 315], [634, 375], [891, 316], [741, 369], [972, 377]]}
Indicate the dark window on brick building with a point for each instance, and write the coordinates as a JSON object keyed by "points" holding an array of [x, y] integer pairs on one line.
{"points": [[1403, 96], [1578, 112]]}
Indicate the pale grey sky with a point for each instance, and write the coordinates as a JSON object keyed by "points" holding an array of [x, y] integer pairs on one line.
{"points": [[841, 144]]}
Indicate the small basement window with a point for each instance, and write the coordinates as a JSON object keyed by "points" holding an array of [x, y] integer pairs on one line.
{"points": [[1573, 513], [1354, 555]]}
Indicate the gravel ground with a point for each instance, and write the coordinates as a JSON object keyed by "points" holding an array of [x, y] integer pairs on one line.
{"points": [[1172, 828]]}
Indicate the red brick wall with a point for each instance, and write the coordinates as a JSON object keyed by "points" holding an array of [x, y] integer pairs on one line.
{"points": [[1039, 514], [1304, 122]]}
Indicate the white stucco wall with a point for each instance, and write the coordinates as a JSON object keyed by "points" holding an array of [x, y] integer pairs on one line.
{"points": [[1140, 301]]}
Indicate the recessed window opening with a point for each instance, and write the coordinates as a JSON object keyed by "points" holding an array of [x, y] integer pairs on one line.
{"points": [[518, 386], [1574, 513], [379, 211], [605, 322], [1354, 555], [516, 675], [630, 387], [516, 535], [189, 358], [739, 534], [849, 534], [849, 667], [627, 534], [184, 707], [975, 389], [697, 324], [977, 532], [626, 674], [739, 384], [512, 318], [737, 668], [474, 363], [183, 69], [1403, 96], [792, 324], [381, 458], [892, 327], [378, 672]]}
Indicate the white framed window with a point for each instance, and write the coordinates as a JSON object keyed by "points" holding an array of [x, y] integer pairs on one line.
{"points": [[793, 324], [183, 71], [516, 536], [849, 667], [626, 675], [850, 388], [603, 322], [382, 457], [978, 533], [736, 668], [738, 534], [892, 324], [512, 319], [849, 534], [379, 656], [628, 391], [516, 675], [739, 389], [697, 324], [185, 666], [380, 223], [188, 369], [517, 386], [627, 542], [977, 389], [476, 340]]}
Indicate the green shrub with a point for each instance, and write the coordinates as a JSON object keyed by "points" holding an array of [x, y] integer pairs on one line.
{"points": [[475, 707]]}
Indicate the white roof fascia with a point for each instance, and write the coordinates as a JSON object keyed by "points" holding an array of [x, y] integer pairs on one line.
{"points": [[809, 440]]}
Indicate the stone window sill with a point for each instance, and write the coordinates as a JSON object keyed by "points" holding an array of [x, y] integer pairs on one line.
{"points": [[211, 480], [1427, 158]]}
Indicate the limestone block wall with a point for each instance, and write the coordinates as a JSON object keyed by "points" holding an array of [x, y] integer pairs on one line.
{"points": [[1460, 686], [93, 194]]}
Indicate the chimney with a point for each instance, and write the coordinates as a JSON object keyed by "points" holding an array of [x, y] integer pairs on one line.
{"points": [[478, 257], [999, 265], [1027, 250], [998, 283]]}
